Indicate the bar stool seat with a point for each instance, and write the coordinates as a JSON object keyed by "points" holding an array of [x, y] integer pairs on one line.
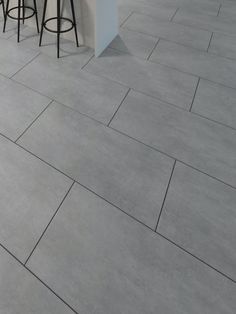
{"points": [[58, 18], [20, 7]]}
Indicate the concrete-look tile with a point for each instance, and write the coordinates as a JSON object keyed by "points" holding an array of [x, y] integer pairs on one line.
{"points": [[124, 13], [136, 44], [30, 194], [157, 11], [19, 106], [11, 28], [223, 45], [155, 80], [227, 10], [151, 7], [69, 52], [174, 32], [207, 22], [201, 143], [21, 292], [116, 265], [126, 173], [13, 57], [196, 62], [216, 102], [199, 215], [80, 90]]}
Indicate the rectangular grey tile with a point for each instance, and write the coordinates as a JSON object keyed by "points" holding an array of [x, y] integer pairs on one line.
{"points": [[126, 173], [21, 292], [223, 45], [13, 57], [207, 22], [136, 44], [199, 215], [200, 63], [115, 265], [201, 143], [30, 194], [174, 32], [157, 11], [155, 80], [82, 91], [19, 107], [216, 102]]}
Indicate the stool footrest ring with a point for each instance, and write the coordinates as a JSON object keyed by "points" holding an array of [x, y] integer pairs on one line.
{"points": [[21, 18], [61, 31]]}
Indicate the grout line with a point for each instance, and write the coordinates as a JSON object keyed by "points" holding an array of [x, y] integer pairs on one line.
{"points": [[167, 189], [87, 62], [126, 19], [126, 94], [174, 15], [149, 56], [219, 9], [31, 253], [209, 42], [36, 277], [39, 115], [194, 95], [196, 257], [115, 206], [25, 65]]}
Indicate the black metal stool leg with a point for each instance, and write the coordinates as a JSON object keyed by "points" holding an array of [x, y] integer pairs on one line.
{"points": [[58, 26], [74, 21], [36, 15], [3, 10], [5, 20], [43, 20], [18, 30], [23, 11]]}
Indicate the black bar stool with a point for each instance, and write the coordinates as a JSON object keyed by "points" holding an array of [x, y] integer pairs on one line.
{"points": [[59, 18], [20, 7]]}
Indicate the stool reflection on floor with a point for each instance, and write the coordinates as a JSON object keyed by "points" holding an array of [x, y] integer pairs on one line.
{"points": [[58, 19], [21, 8]]}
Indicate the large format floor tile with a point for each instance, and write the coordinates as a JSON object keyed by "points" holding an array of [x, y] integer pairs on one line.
{"points": [[21, 292], [136, 44], [186, 35], [124, 172], [208, 66], [223, 45], [199, 214], [216, 102], [13, 57], [19, 106], [207, 22], [204, 144], [87, 93], [157, 11], [155, 80], [116, 265], [30, 194]]}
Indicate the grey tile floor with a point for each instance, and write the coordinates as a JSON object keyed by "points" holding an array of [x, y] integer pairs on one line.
{"points": [[118, 174]]}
